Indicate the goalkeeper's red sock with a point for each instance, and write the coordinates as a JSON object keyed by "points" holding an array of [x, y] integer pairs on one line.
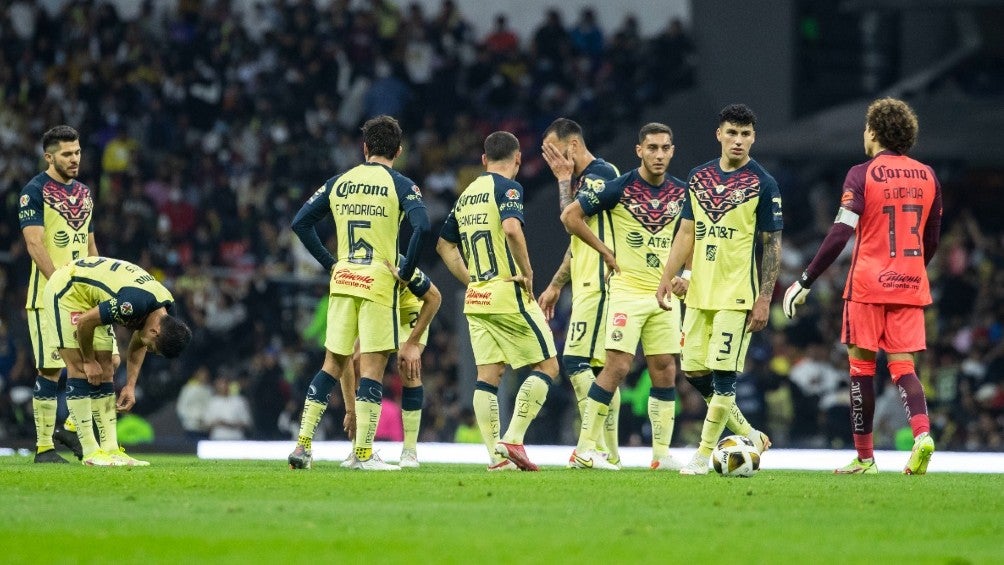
{"points": [[863, 406]]}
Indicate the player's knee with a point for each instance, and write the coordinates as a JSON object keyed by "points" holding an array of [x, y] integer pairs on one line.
{"points": [[548, 366]]}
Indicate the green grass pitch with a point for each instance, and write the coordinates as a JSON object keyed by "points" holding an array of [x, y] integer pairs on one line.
{"points": [[181, 508]]}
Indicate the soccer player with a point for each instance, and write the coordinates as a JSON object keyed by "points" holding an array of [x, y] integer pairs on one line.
{"points": [[575, 168], [81, 299], [892, 205], [368, 203], [729, 201], [483, 245], [419, 301], [644, 205], [55, 212]]}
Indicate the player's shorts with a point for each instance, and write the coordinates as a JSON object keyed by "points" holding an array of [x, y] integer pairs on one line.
{"points": [[714, 340], [351, 317], [637, 317], [518, 339], [408, 320], [59, 331], [584, 341], [46, 351], [893, 328]]}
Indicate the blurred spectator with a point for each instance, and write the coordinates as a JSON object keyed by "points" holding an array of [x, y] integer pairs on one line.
{"points": [[227, 415], [193, 403]]}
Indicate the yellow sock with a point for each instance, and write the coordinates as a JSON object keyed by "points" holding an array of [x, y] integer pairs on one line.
{"points": [[611, 425], [714, 422], [309, 419], [45, 422], [103, 414], [581, 382], [80, 409], [367, 417], [486, 412], [737, 422], [662, 414], [412, 421], [529, 400], [593, 418]]}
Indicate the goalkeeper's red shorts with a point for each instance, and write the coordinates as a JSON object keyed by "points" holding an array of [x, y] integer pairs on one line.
{"points": [[893, 328]]}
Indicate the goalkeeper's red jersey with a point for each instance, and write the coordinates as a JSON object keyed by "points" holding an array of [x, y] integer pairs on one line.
{"points": [[896, 198]]}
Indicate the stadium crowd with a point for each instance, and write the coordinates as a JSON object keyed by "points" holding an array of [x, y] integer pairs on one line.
{"points": [[205, 131]]}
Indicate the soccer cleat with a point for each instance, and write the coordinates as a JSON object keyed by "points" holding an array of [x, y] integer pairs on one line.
{"points": [[857, 467], [374, 463], [99, 459], [300, 458], [923, 447], [69, 440], [409, 459], [759, 439], [350, 462], [697, 466], [503, 465], [590, 460], [514, 452], [667, 463], [49, 456], [125, 460]]}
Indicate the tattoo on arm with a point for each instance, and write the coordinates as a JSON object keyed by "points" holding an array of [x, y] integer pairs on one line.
{"points": [[565, 193], [564, 273], [770, 265]]}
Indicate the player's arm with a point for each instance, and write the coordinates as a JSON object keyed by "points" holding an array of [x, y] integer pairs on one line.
{"points": [[770, 266], [86, 324], [574, 219], [552, 293], [34, 239], [92, 246], [562, 166], [448, 248], [418, 217], [409, 355], [932, 229], [313, 211], [680, 254], [513, 230]]}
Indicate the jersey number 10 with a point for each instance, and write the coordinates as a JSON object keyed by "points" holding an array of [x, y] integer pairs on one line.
{"points": [[480, 251]]}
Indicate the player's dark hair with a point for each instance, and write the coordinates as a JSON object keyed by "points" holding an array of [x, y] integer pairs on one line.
{"points": [[52, 138], [173, 338], [738, 114], [563, 128], [501, 146], [382, 136], [653, 128], [894, 124]]}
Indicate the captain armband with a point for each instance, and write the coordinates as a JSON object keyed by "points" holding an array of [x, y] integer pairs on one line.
{"points": [[845, 216]]}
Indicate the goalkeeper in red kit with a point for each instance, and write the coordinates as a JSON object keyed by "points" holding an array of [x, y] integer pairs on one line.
{"points": [[892, 204]]}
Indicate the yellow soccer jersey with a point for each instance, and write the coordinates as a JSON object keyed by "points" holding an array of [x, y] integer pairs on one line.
{"points": [[65, 211], [476, 224], [728, 209], [123, 292], [643, 220], [587, 269], [367, 203]]}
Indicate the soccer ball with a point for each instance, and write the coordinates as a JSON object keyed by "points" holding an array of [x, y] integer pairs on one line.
{"points": [[736, 456]]}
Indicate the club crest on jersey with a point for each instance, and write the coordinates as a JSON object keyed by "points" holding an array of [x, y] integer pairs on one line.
{"points": [[596, 185], [25, 200], [717, 197], [653, 211], [512, 194], [74, 205], [126, 309], [415, 189]]}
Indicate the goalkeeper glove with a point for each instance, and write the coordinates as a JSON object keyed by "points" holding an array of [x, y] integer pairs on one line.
{"points": [[794, 296]]}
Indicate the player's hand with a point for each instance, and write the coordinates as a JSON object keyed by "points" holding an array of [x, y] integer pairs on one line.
{"points": [[127, 399], [548, 299], [664, 296], [526, 281], [794, 296], [93, 372], [409, 362], [611, 262], [756, 320], [394, 271], [349, 425], [561, 165], [680, 286]]}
